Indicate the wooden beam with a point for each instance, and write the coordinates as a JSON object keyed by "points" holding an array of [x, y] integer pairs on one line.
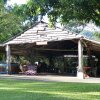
{"points": [[80, 72], [44, 49], [41, 43], [8, 59]]}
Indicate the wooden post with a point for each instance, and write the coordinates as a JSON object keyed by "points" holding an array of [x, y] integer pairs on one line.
{"points": [[80, 72], [8, 59]]}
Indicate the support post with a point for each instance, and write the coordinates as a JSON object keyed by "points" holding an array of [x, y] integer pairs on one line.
{"points": [[8, 59], [80, 71]]}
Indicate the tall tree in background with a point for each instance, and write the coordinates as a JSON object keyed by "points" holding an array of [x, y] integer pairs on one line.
{"points": [[81, 10], [31, 11], [65, 11], [9, 23]]}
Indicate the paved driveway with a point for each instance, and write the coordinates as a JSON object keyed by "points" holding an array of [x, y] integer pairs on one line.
{"points": [[55, 78]]}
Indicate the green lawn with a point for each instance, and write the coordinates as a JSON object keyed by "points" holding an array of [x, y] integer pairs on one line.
{"points": [[37, 90]]}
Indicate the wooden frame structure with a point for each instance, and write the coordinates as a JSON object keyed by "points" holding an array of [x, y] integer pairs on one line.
{"points": [[40, 36]]}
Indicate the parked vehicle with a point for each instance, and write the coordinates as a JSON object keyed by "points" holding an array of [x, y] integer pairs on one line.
{"points": [[14, 68], [3, 68]]}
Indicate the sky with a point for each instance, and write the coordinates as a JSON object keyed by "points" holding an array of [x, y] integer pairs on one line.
{"points": [[11, 2]]}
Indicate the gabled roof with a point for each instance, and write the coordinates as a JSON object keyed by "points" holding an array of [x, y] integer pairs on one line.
{"points": [[42, 32]]}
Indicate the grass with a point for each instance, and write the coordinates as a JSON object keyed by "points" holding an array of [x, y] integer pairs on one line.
{"points": [[37, 90]]}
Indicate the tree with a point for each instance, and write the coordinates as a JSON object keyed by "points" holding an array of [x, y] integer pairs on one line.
{"points": [[97, 35], [81, 10], [29, 12], [9, 23], [3, 1], [70, 13], [64, 10], [24, 13]]}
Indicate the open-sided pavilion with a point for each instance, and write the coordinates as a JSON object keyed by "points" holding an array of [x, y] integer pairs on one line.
{"points": [[48, 41]]}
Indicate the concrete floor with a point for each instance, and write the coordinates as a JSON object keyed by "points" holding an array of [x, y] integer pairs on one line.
{"points": [[52, 78]]}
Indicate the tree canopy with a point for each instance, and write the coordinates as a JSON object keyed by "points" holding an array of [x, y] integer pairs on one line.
{"points": [[9, 23], [81, 10], [67, 12]]}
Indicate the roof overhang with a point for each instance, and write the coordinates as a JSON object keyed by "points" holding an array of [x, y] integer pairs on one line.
{"points": [[41, 34]]}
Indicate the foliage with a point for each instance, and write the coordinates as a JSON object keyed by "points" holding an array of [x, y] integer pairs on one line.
{"points": [[29, 12], [71, 13], [3, 1], [9, 23], [75, 26], [97, 35], [81, 10], [24, 13], [1, 57], [66, 10]]}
